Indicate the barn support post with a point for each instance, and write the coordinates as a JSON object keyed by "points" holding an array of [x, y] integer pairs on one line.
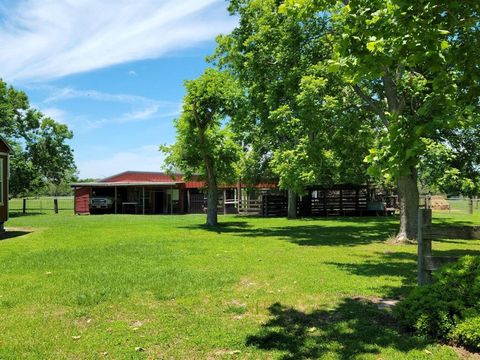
{"points": [[239, 196], [74, 200], [424, 251], [342, 213], [171, 200], [143, 200], [188, 201], [116, 200], [224, 202], [357, 199], [325, 202]]}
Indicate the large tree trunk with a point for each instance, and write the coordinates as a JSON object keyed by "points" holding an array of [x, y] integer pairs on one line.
{"points": [[292, 205], [408, 197], [212, 200]]}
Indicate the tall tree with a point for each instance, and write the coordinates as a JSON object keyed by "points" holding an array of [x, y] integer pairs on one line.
{"points": [[41, 154], [289, 123], [205, 145], [412, 64]]}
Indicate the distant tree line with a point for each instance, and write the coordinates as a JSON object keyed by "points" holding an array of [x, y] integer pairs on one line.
{"points": [[42, 161]]}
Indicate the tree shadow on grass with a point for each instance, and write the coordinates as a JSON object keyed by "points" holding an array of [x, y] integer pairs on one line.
{"points": [[367, 231], [13, 234], [16, 214], [398, 264], [354, 328]]}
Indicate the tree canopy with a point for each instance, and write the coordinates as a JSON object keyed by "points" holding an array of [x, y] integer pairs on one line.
{"points": [[205, 145], [393, 74], [41, 154]]}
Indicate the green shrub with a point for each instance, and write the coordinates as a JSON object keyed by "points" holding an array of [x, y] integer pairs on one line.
{"points": [[449, 309], [467, 332]]}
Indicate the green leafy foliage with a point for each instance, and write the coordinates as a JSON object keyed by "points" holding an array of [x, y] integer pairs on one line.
{"points": [[298, 120], [205, 145], [41, 154], [449, 309], [202, 129], [468, 332]]}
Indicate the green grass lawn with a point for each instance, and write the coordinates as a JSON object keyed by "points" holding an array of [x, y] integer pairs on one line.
{"points": [[164, 287]]}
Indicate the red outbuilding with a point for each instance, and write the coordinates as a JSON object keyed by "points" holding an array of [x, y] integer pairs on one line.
{"points": [[136, 192], [4, 176]]}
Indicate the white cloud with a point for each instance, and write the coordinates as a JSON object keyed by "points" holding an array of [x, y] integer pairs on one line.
{"points": [[132, 73], [68, 93], [45, 39], [145, 158], [142, 108], [56, 114]]}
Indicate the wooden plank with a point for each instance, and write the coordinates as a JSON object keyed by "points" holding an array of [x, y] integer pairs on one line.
{"points": [[456, 232], [424, 251], [433, 263]]}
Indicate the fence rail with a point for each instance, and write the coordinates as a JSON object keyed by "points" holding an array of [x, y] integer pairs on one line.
{"points": [[41, 205]]}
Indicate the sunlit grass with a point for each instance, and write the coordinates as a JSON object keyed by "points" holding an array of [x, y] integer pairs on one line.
{"points": [[86, 287]]}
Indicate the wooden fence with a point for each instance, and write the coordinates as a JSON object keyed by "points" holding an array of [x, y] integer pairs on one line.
{"points": [[427, 263], [40, 205]]}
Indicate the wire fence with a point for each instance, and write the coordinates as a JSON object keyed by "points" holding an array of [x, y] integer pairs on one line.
{"points": [[464, 205], [41, 205]]}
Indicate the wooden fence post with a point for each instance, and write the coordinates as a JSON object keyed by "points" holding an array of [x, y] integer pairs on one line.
{"points": [[24, 210], [55, 205], [224, 201], [424, 250]]}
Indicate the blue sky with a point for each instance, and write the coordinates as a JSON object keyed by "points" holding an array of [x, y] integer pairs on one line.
{"points": [[113, 71]]}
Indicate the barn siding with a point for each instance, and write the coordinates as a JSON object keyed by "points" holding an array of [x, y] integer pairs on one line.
{"points": [[82, 200], [142, 177], [4, 206]]}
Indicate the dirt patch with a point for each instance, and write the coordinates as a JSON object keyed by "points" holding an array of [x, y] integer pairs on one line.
{"points": [[224, 354], [465, 354], [380, 303], [247, 283]]}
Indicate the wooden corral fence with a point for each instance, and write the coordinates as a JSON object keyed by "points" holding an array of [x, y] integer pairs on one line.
{"points": [[339, 200], [196, 203], [346, 200], [427, 263], [274, 205], [250, 207]]}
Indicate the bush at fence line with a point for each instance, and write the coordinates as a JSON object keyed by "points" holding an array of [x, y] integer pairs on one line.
{"points": [[449, 309]]}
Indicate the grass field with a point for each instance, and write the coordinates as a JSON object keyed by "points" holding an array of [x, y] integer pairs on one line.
{"points": [[164, 287]]}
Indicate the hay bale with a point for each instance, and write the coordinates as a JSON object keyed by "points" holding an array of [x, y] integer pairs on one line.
{"points": [[438, 202]]}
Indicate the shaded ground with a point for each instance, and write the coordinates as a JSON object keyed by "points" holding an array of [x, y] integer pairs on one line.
{"points": [[353, 328]]}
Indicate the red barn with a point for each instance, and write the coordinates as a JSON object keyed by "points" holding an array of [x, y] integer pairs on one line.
{"points": [[4, 176], [136, 192]]}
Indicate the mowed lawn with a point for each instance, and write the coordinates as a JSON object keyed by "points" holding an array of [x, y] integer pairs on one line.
{"points": [[164, 287]]}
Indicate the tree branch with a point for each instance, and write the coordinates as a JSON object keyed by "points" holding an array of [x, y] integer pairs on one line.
{"points": [[372, 104]]}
